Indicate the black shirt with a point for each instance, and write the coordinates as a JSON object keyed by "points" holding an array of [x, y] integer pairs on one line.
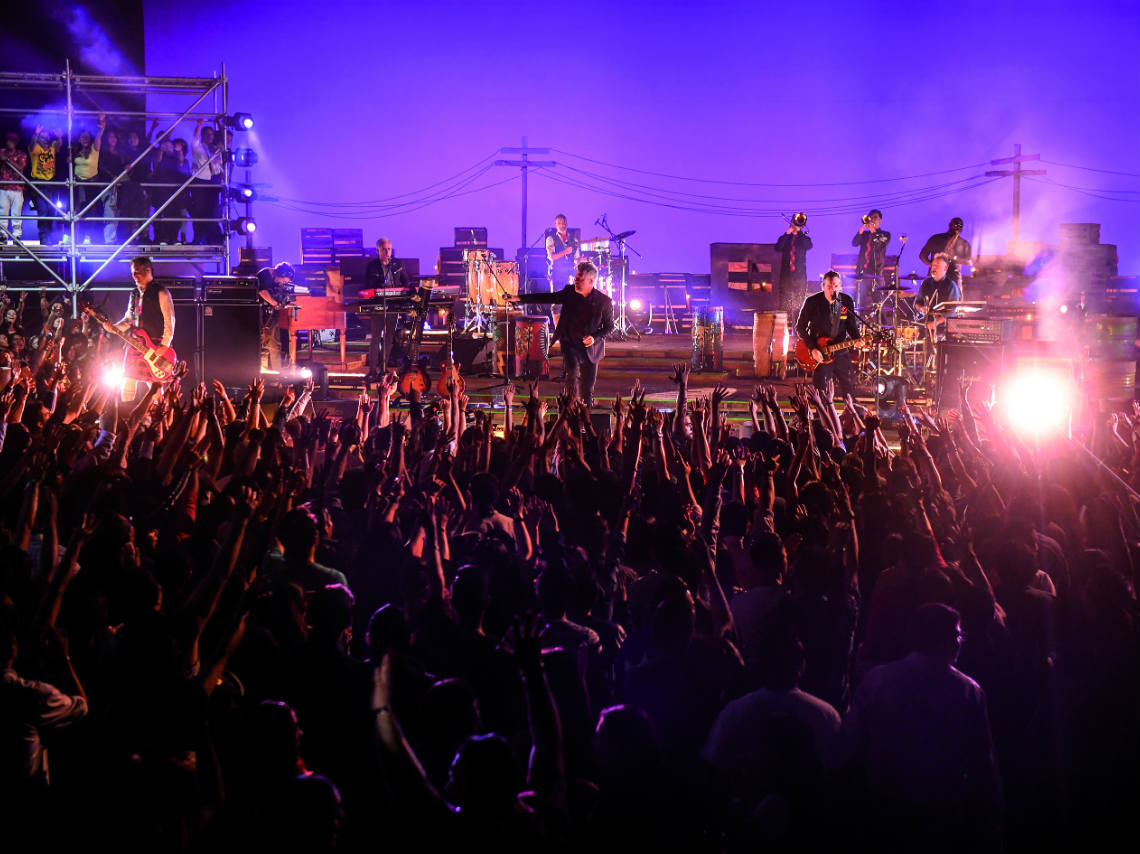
{"points": [[591, 315], [959, 251], [820, 318], [390, 275], [934, 291], [872, 251], [793, 250]]}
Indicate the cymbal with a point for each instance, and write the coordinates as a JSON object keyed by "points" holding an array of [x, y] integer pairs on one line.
{"points": [[914, 277], [892, 288], [867, 276], [624, 235]]}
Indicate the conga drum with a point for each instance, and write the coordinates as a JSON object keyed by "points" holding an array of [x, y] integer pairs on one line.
{"points": [[501, 276], [532, 347], [477, 263], [770, 343], [708, 338]]}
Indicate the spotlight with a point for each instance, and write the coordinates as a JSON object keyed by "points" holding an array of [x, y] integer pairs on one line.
{"points": [[306, 373], [240, 121], [243, 157], [243, 193], [243, 225], [1038, 403], [113, 376], [640, 314]]}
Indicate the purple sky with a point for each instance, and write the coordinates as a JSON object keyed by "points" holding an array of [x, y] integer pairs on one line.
{"points": [[358, 101]]}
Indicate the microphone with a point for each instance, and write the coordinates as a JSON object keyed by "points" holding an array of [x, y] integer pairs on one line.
{"points": [[598, 221]]}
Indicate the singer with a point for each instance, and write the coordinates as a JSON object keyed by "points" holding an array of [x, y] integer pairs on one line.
{"points": [[562, 253], [587, 318], [830, 315]]}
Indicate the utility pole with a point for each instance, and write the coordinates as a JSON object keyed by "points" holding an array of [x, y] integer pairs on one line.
{"points": [[524, 164], [1016, 172]]}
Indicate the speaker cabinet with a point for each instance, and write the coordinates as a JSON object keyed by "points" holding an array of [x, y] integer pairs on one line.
{"points": [[981, 363], [187, 341], [231, 343], [745, 279]]}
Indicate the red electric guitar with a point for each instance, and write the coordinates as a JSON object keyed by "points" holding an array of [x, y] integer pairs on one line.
{"points": [[145, 359], [808, 363]]}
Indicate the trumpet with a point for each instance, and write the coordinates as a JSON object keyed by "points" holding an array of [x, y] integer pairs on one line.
{"points": [[799, 220], [866, 219]]}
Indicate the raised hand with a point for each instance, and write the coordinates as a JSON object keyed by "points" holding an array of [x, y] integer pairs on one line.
{"points": [[680, 373], [827, 394], [509, 394], [617, 407], [719, 393]]}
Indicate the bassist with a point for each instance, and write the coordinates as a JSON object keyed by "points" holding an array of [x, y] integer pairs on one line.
{"points": [[830, 314], [150, 309]]}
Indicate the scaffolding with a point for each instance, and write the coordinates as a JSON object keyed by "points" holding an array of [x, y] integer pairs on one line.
{"points": [[74, 97]]}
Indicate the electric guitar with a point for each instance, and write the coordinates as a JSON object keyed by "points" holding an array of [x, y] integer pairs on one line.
{"points": [[414, 377], [808, 362], [146, 360], [448, 369]]}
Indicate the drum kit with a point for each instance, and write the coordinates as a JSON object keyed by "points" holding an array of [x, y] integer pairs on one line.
{"points": [[901, 346], [490, 284]]}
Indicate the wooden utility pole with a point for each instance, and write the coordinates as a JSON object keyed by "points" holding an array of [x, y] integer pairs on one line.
{"points": [[1016, 172], [524, 164]]}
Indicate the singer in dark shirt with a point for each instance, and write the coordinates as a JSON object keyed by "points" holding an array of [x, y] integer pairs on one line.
{"points": [[587, 318]]}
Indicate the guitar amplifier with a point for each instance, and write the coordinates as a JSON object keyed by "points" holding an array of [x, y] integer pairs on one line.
{"points": [[229, 288], [978, 330]]}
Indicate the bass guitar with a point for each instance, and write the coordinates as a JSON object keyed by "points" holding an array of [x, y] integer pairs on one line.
{"points": [[808, 362], [146, 360]]}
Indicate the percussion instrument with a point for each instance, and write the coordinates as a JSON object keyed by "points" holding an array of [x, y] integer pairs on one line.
{"points": [[770, 343], [708, 338], [532, 347], [476, 262]]}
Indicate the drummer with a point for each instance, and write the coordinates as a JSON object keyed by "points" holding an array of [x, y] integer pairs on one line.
{"points": [[936, 289], [562, 253]]}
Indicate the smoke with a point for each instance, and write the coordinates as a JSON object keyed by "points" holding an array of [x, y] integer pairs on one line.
{"points": [[96, 49]]}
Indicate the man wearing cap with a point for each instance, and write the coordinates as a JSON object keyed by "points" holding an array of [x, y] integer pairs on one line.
{"points": [[951, 244], [13, 164], [872, 241]]}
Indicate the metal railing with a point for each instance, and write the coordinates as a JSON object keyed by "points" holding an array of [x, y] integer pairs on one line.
{"points": [[208, 101]]}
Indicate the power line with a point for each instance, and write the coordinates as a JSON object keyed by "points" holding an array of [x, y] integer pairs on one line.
{"points": [[760, 184], [381, 202], [1084, 192], [1091, 169]]}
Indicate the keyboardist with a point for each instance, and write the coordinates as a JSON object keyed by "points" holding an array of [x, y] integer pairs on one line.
{"points": [[388, 275]]}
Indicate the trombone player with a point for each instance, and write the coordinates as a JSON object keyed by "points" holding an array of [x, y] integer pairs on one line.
{"points": [[793, 247]]}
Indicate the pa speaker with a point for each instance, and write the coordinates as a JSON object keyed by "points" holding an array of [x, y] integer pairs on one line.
{"points": [[231, 343], [980, 363]]}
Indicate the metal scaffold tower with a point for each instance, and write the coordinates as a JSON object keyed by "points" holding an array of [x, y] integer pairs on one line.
{"points": [[80, 254]]}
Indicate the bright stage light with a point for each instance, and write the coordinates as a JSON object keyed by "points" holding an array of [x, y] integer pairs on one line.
{"points": [[306, 373], [243, 157], [243, 193], [240, 121], [113, 376], [1038, 403], [635, 305], [243, 225]]}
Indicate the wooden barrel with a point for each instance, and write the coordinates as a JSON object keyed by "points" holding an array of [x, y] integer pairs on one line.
{"points": [[770, 343]]}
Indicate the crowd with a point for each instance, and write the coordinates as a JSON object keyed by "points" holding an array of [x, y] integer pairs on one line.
{"points": [[33, 172], [227, 625]]}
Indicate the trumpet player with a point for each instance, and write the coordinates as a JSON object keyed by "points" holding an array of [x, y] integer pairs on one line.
{"points": [[793, 247], [872, 241]]}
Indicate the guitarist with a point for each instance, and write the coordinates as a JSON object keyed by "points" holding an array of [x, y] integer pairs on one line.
{"points": [[830, 314], [150, 309]]}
